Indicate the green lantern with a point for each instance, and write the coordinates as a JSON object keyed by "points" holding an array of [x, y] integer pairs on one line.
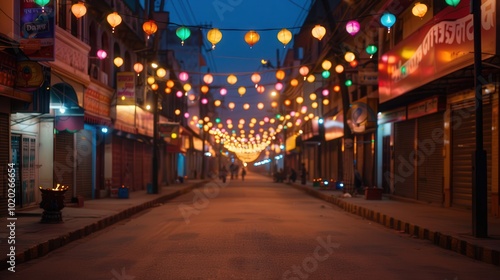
{"points": [[348, 83], [183, 33], [371, 50], [42, 3], [325, 74], [453, 3]]}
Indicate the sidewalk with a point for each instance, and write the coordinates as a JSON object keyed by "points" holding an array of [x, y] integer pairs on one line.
{"points": [[448, 228], [34, 239]]}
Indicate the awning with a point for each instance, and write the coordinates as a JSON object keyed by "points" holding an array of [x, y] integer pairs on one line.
{"points": [[69, 123]]}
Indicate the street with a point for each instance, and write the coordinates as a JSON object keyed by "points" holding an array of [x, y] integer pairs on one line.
{"points": [[252, 229]]}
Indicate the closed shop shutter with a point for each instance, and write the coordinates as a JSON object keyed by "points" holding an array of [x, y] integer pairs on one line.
{"points": [[138, 165], [430, 169], [84, 176], [368, 160], [118, 159], [64, 160], [404, 167], [463, 146], [4, 160], [148, 165]]}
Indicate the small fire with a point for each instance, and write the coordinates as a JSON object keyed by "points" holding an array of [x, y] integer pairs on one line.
{"points": [[58, 187]]}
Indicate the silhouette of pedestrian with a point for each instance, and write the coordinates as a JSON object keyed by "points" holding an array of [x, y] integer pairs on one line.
{"points": [[303, 174]]}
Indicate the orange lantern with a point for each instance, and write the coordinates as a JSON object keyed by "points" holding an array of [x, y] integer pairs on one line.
{"points": [[261, 89], [284, 36], [294, 82], [252, 38], [114, 19], [419, 10], [78, 9], [204, 89], [280, 74], [349, 56], [255, 78], [208, 79], [231, 79], [138, 67], [150, 27], [304, 71]]}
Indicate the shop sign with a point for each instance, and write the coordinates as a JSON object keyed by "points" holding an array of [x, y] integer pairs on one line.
{"points": [[37, 30]]}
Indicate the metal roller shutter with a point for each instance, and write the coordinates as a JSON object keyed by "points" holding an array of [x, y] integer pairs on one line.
{"points": [[404, 167], [84, 176], [64, 160], [430, 170], [117, 159], [139, 165], [463, 145]]}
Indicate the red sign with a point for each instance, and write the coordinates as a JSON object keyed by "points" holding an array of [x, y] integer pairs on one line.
{"points": [[436, 50]]}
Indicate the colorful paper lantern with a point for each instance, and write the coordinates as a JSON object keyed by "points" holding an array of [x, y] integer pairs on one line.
{"points": [[183, 33], [280, 74], [208, 79], [352, 27], [255, 78], [242, 91], [79, 9], [284, 36], [453, 3], [150, 27], [138, 67], [232, 79], [214, 36], [114, 19], [349, 56], [419, 10], [371, 50], [325, 74], [118, 61], [161, 72], [183, 76], [102, 54], [261, 89], [304, 71], [339, 68], [252, 37], [223, 91], [318, 32], [388, 20]]}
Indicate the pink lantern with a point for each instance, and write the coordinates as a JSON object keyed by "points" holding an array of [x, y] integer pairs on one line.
{"points": [[101, 54], [204, 101], [278, 86], [186, 115], [352, 27], [223, 91], [183, 76], [325, 92], [179, 94]]}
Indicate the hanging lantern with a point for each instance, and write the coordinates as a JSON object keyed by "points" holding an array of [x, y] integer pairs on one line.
{"points": [[348, 83], [453, 3], [287, 102], [187, 87], [299, 100], [304, 71], [161, 72], [208, 79], [246, 106], [261, 89], [280, 74], [217, 103], [353, 63], [326, 64], [388, 21], [336, 88], [325, 74], [150, 27], [274, 104], [138, 67], [232, 79], [150, 80], [318, 32], [214, 36], [284, 36], [42, 3], [231, 105], [255, 78], [204, 89], [260, 105], [278, 86], [79, 9], [118, 61], [170, 84], [154, 86], [352, 27], [168, 90], [339, 68], [179, 94], [204, 101], [114, 19], [252, 38], [349, 56], [183, 33], [325, 92], [294, 82], [242, 91], [313, 96], [183, 76], [223, 91], [311, 78], [371, 50], [102, 54], [419, 10]]}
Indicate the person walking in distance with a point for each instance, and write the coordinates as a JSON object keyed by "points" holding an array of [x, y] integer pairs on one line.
{"points": [[303, 174], [243, 173]]}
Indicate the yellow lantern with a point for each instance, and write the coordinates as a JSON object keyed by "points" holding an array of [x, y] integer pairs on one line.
{"points": [[252, 38], [118, 61], [204, 89], [150, 27], [246, 106], [314, 105], [154, 86], [150, 80], [287, 102], [177, 112], [284, 36], [299, 100], [294, 82], [217, 103], [255, 78], [214, 36], [280, 74], [339, 68], [318, 32], [168, 90], [187, 87], [313, 96], [161, 72], [79, 10], [231, 105], [260, 106], [327, 64], [242, 91], [326, 101], [170, 84], [114, 19], [274, 104], [419, 10], [311, 78], [349, 56], [208, 79], [231, 79]]}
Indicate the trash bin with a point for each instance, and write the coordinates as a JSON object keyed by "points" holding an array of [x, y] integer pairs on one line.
{"points": [[123, 192]]}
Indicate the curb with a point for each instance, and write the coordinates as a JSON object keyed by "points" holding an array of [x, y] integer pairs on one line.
{"points": [[44, 248], [442, 240]]}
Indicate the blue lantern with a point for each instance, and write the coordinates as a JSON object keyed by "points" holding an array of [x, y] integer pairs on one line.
{"points": [[388, 20]]}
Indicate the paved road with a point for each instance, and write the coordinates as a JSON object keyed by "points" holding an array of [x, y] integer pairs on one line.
{"points": [[250, 230]]}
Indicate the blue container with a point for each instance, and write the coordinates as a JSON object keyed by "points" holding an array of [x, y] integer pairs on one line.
{"points": [[123, 193], [149, 188]]}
